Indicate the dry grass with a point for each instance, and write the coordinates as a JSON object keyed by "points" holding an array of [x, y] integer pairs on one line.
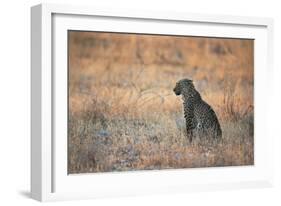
{"points": [[122, 112]]}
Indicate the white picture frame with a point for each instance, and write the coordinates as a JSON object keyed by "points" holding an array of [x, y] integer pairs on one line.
{"points": [[49, 178]]}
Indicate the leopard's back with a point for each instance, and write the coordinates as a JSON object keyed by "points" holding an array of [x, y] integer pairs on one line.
{"points": [[205, 120]]}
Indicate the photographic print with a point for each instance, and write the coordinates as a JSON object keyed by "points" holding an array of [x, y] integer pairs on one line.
{"points": [[153, 102]]}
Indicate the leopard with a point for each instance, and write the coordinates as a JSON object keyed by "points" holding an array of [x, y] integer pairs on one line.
{"points": [[200, 119]]}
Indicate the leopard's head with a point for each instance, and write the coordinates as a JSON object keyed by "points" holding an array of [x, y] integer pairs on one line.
{"points": [[184, 86]]}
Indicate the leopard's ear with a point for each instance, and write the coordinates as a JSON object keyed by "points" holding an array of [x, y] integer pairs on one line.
{"points": [[191, 83]]}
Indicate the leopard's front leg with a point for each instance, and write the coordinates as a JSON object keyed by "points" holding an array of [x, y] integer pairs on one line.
{"points": [[189, 116]]}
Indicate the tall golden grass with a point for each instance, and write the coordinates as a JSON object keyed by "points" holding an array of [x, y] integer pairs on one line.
{"points": [[124, 116]]}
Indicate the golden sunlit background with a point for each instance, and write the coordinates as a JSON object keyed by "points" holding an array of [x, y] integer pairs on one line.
{"points": [[123, 114]]}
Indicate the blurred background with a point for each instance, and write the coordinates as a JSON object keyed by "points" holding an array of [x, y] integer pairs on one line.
{"points": [[121, 103]]}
